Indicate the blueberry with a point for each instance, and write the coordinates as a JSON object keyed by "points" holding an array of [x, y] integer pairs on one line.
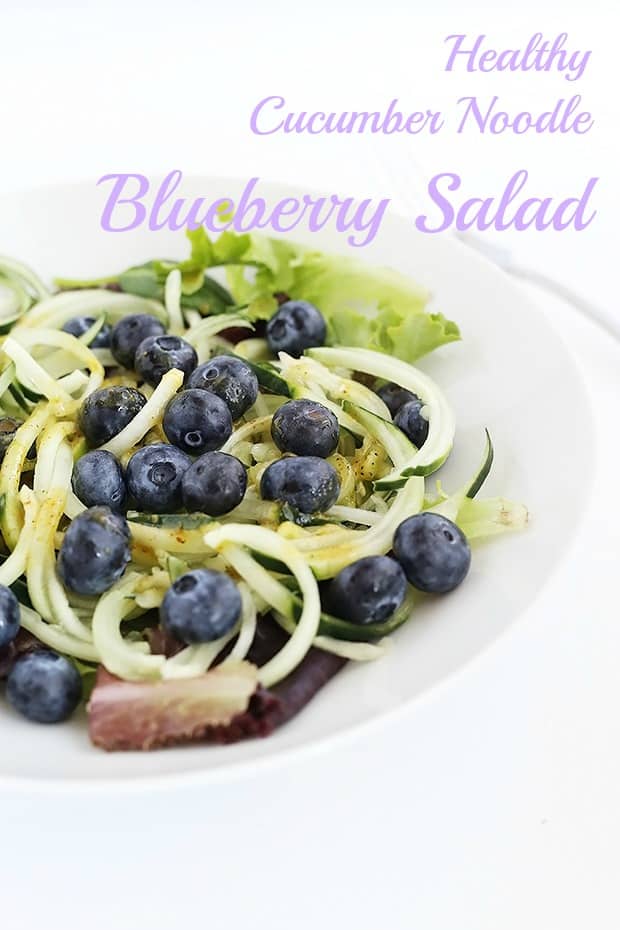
{"points": [[105, 412], [214, 484], [94, 551], [8, 428], [81, 324], [158, 354], [394, 396], [200, 606], [197, 421], [305, 427], [295, 326], [433, 552], [368, 591], [129, 332], [44, 686], [154, 476], [409, 418], [9, 616], [231, 379], [308, 483], [98, 479]]}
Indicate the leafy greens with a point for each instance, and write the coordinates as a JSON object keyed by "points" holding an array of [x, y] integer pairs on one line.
{"points": [[376, 308]]}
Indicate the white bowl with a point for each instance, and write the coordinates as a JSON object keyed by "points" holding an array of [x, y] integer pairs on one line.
{"points": [[511, 373]]}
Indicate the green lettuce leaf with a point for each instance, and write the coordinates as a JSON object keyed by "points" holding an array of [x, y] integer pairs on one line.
{"points": [[419, 333], [375, 308]]}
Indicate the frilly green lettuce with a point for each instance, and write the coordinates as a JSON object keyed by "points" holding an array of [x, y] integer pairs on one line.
{"points": [[375, 308]]}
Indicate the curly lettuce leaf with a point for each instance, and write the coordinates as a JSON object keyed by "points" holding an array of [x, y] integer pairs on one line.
{"points": [[418, 334], [375, 308]]}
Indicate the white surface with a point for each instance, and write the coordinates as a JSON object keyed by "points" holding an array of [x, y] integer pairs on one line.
{"points": [[497, 804], [510, 374]]}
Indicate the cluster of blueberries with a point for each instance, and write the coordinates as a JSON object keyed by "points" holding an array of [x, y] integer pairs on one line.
{"points": [[161, 478], [202, 605]]}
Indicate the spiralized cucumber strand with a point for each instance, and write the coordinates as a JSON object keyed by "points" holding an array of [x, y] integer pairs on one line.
{"points": [[227, 540], [251, 430], [356, 651], [46, 593], [76, 381], [264, 452], [73, 505], [81, 352], [304, 372], [313, 389], [148, 417], [408, 500], [15, 565], [378, 502], [192, 317], [56, 310], [30, 372], [450, 505], [253, 509], [274, 593], [354, 515], [247, 629], [62, 612], [151, 542], [253, 350], [24, 274], [441, 419], [11, 469], [51, 440], [14, 300], [104, 357], [116, 653], [55, 637], [93, 330], [261, 581], [58, 362], [51, 481], [326, 557], [399, 448], [63, 467], [212, 325], [260, 408], [196, 660], [10, 407], [6, 378], [172, 300], [41, 554], [277, 592]]}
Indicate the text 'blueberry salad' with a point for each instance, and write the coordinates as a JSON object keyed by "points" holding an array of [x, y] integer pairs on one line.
{"points": [[212, 497]]}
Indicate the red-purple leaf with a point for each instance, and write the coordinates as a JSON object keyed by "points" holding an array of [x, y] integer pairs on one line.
{"points": [[145, 715]]}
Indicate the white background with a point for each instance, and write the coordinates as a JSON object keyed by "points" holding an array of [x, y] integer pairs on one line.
{"points": [[494, 804]]}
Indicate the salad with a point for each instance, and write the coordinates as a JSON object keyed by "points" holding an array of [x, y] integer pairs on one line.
{"points": [[216, 486]]}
